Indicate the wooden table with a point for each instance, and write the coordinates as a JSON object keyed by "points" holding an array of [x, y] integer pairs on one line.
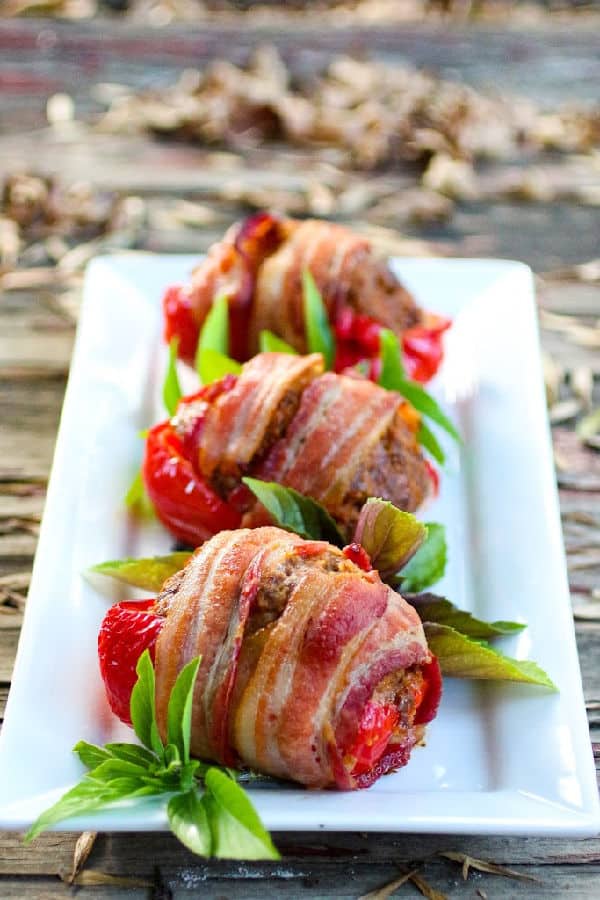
{"points": [[38, 59]]}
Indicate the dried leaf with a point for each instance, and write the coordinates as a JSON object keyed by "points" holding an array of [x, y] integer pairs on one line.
{"points": [[589, 425], [83, 848], [387, 890], [425, 888], [92, 877], [470, 862]]}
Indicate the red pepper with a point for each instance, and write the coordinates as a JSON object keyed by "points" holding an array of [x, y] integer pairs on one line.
{"points": [[128, 628], [357, 554], [434, 475], [424, 348], [179, 322], [432, 692], [373, 735], [184, 502]]}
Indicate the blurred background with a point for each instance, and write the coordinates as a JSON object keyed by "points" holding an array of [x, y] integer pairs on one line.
{"points": [[454, 127]]}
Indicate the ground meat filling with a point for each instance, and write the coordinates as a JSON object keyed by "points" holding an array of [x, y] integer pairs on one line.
{"points": [[389, 303], [392, 469], [276, 587]]}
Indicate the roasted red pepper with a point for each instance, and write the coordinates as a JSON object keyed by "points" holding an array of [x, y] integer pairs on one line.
{"points": [[128, 628], [373, 735], [184, 502], [179, 322], [423, 348]]}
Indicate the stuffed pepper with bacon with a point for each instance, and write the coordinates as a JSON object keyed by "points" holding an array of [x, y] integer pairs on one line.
{"points": [[312, 669], [258, 266], [335, 438]]}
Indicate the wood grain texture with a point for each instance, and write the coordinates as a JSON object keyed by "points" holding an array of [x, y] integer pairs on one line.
{"points": [[36, 341]]}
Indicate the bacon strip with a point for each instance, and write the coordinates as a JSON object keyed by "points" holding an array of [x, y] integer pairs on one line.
{"points": [[295, 640], [346, 272], [260, 405], [348, 433]]}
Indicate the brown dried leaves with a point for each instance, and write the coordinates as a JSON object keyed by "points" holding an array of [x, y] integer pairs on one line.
{"points": [[373, 114]]}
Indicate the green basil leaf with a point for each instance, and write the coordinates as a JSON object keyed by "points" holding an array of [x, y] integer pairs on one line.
{"points": [[389, 535], [87, 796], [426, 438], [270, 343], [111, 769], [189, 822], [429, 562], [143, 708], [171, 391], [179, 713], [149, 574], [213, 365], [137, 499], [462, 657], [237, 832], [90, 754], [295, 512], [427, 406], [440, 611], [393, 378], [390, 354], [214, 334], [319, 336], [132, 753]]}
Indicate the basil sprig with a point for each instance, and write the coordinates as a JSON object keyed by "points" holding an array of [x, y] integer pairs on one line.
{"points": [[295, 512], [393, 377], [270, 343], [149, 574], [434, 609], [137, 499], [207, 810], [461, 656], [428, 564], [171, 391], [212, 360], [319, 335]]}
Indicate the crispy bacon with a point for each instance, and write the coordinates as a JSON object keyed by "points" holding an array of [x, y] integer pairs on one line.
{"points": [[258, 408], [297, 642], [349, 435], [347, 273], [258, 266]]}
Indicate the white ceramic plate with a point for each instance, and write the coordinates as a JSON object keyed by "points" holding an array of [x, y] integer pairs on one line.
{"points": [[500, 759]]}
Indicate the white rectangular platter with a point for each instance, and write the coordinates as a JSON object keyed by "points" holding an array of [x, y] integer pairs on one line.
{"points": [[500, 759]]}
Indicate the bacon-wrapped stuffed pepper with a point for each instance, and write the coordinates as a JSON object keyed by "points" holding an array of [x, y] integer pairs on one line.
{"points": [[258, 266], [312, 669], [335, 438]]}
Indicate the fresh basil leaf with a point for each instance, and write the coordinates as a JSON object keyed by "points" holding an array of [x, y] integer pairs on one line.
{"points": [[179, 713], [427, 406], [426, 438], [132, 753], [440, 611], [237, 832], [149, 574], [429, 562], [213, 365], [87, 796], [137, 499], [91, 755], [270, 343], [393, 378], [389, 535], [189, 822], [143, 708], [319, 336], [214, 334], [111, 769], [462, 657], [390, 354], [295, 512], [171, 391]]}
